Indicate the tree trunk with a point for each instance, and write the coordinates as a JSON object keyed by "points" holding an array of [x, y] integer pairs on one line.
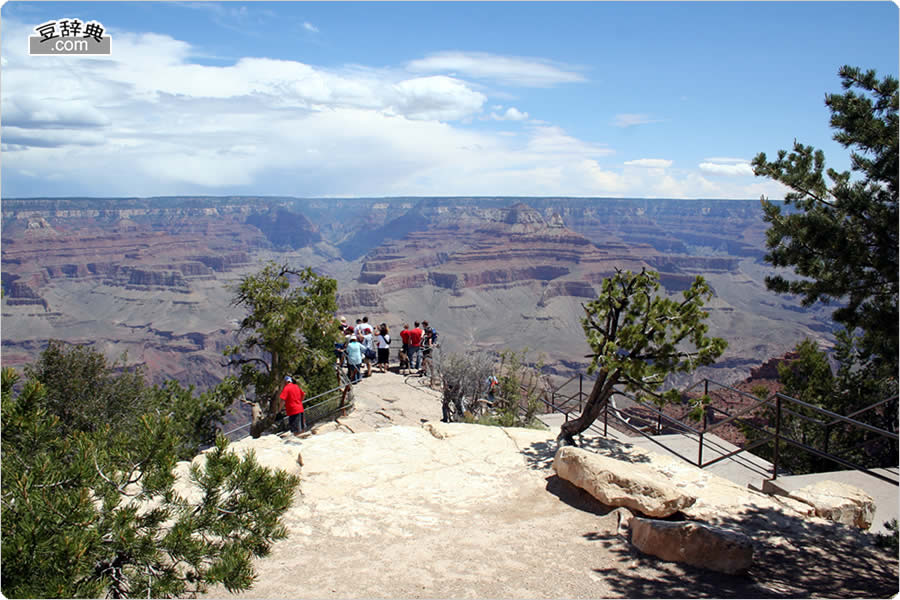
{"points": [[599, 396], [265, 417]]}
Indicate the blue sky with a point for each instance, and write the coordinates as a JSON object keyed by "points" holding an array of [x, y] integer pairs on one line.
{"points": [[636, 99]]}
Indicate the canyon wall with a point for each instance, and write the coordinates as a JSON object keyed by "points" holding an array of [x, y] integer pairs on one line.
{"points": [[155, 276]]}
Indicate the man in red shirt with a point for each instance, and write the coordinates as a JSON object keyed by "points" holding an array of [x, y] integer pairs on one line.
{"points": [[293, 405], [404, 355], [415, 347]]}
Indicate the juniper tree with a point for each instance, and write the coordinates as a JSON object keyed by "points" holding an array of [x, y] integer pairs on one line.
{"points": [[638, 337], [92, 511], [289, 329], [842, 239]]}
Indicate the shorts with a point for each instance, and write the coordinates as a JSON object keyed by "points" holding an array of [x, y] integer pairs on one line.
{"points": [[384, 355], [297, 423]]}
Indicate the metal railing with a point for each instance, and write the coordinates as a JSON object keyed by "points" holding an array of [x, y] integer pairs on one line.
{"points": [[318, 408], [782, 405]]}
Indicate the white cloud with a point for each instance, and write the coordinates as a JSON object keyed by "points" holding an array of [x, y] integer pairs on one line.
{"points": [[50, 138], [310, 27], [147, 121], [726, 160], [36, 113], [555, 141], [736, 169], [437, 97], [650, 163], [511, 114], [630, 120], [512, 70]]}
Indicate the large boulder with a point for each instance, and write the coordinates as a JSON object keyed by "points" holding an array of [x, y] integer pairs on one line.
{"points": [[839, 502], [693, 543], [619, 483]]}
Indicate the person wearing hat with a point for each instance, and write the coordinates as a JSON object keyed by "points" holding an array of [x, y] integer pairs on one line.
{"points": [[293, 405]]}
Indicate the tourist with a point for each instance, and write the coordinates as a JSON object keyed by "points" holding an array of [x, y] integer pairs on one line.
{"points": [[369, 351], [492, 382], [415, 347], [427, 345], [293, 405], [404, 350], [363, 326], [383, 341], [355, 352]]}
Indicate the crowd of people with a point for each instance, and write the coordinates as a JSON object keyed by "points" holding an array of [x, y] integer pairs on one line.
{"points": [[367, 346]]}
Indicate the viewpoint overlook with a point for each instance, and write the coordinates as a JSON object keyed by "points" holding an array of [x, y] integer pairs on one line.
{"points": [[393, 503]]}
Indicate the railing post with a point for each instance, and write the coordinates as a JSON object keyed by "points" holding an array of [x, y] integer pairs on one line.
{"points": [[605, 417], [777, 435], [580, 391], [700, 447]]}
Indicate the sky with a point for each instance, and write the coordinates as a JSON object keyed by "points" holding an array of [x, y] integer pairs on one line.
{"points": [[310, 99]]}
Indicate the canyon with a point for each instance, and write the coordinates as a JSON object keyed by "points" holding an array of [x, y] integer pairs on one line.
{"points": [[150, 281]]}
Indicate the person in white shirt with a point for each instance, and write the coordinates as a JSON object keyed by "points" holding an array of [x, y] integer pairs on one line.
{"points": [[383, 341], [364, 327], [371, 353]]}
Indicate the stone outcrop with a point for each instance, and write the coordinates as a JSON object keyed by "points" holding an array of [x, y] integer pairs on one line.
{"points": [[360, 298], [838, 502], [693, 543], [617, 483]]}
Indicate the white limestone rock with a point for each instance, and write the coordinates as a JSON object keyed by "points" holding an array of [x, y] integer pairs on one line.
{"points": [[839, 502], [693, 543], [619, 483]]}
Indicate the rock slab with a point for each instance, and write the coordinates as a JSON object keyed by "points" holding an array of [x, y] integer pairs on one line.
{"points": [[619, 483], [693, 543], [838, 502]]}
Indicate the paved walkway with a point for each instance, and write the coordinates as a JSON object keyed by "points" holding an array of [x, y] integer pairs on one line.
{"points": [[749, 470]]}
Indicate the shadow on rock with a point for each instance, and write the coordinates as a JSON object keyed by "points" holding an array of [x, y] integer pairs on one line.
{"points": [[793, 557], [539, 455], [576, 497]]}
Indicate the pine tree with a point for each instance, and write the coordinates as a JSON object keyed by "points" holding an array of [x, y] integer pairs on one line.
{"points": [[638, 337], [90, 509], [842, 239]]}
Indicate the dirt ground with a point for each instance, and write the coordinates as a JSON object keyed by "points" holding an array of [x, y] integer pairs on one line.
{"points": [[396, 505]]}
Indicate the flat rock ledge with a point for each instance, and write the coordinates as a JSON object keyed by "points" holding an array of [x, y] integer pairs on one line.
{"points": [[617, 483], [838, 502], [693, 543]]}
